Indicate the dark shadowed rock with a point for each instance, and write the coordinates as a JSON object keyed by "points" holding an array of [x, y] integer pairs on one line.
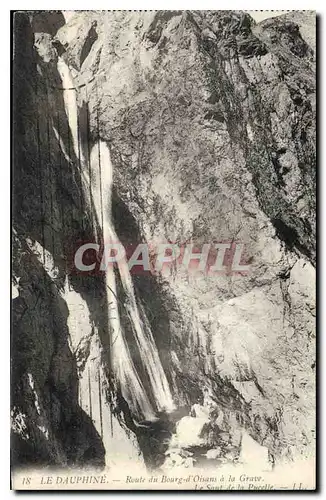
{"points": [[210, 122]]}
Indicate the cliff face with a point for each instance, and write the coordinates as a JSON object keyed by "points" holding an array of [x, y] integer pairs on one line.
{"points": [[210, 122]]}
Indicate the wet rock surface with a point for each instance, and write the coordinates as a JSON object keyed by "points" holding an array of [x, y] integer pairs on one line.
{"points": [[210, 122]]}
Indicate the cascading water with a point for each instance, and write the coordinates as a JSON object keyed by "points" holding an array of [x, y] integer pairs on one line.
{"points": [[142, 333], [98, 162], [92, 383]]}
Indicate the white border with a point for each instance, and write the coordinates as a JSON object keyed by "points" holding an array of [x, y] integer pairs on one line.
{"points": [[165, 5], [5, 181]]}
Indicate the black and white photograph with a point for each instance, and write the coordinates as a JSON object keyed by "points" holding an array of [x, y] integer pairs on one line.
{"points": [[163, 248]]}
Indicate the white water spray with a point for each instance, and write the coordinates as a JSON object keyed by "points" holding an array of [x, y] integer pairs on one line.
{"points": [[83, 338], [141, 329], [102, 176]]}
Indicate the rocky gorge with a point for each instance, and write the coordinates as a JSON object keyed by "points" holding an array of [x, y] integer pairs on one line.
{"points": [[163, 126]]}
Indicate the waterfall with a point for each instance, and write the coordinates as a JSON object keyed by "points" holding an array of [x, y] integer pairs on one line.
{"points": [[141, 329], [98, 162], [83, 338]]}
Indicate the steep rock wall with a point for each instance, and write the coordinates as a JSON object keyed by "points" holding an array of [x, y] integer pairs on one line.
{"points": [[209, 118]]}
